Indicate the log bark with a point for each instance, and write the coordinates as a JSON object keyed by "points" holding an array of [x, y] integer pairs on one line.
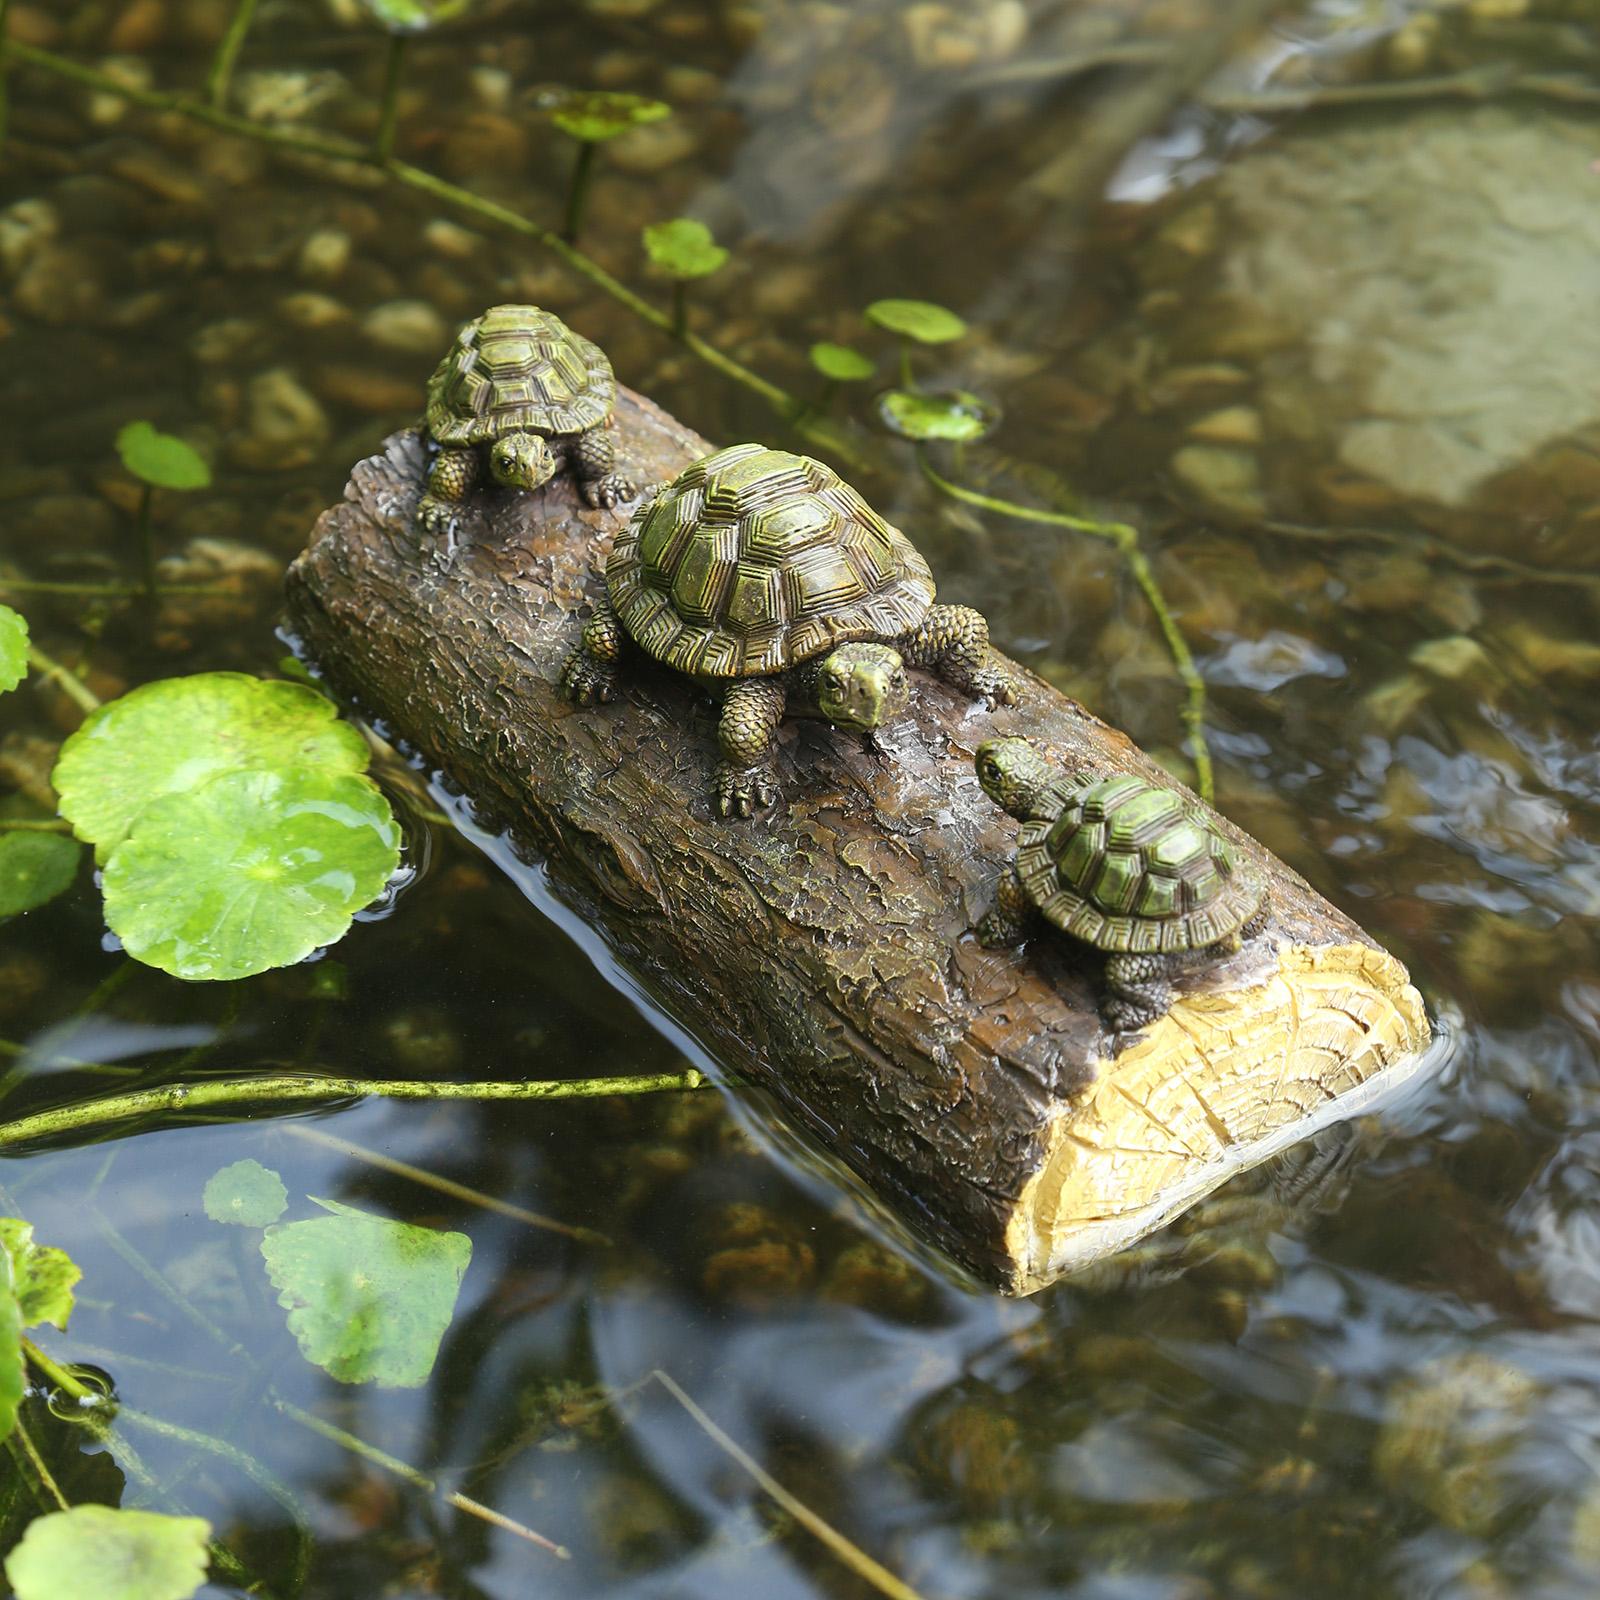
{"points": [[824, 951]]}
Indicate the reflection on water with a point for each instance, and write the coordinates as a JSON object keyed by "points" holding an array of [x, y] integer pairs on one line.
{"points": [[1338, 366]]}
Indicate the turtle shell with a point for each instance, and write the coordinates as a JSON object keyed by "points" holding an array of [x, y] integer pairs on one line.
{"points": [[1125, 865], [517, 367], [753, 560]]}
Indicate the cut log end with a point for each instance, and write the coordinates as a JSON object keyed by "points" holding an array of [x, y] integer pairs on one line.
{"points": [[1227, 1079]]}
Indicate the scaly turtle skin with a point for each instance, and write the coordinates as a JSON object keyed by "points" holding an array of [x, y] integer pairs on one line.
{"points": [[518, 392], [1122, 864], [768, 578]]}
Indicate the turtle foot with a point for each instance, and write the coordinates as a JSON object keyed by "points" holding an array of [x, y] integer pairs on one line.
{"points": [[604, 493], [994, 686], [585, 681], [996, 931], [441, 518], [743, 791]]}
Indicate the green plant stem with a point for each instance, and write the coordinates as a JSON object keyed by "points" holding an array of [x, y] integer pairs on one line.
{"points": [[147, 555], [27, 825], [825, 395], [1126, 539], [107, 591], [220, 76], [680, 307], [5, 61], [394, 66], [578, 191], [908, 379], [299, 1089], [70, 684], [36, 1461]]}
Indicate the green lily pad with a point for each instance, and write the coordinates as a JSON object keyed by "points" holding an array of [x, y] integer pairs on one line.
{"points": [[250, 871], [840, 363], [412, 16], [13, 649], [368, 1298], [245, 1193], [42, 1277], [166, 737], [12, 1378], [684, 248], [111, 1554], [34, 869], [595, 115], [917, 319], [162, 460], [948, 414]]}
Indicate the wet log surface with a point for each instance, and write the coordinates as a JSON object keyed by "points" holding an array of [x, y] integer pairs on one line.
{"points": [[823, 950]]}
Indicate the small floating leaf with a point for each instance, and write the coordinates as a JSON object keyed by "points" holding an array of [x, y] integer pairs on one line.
{"points": [[948, 414], [245, 1193], [917, 319], [412, 16], [34, 869], [368, 1298], [840, 363], [595, 115], [249, 871], [684, 248], [173, 735], [42, 1277], [13, 649], [111, 1554], [162, 460]]}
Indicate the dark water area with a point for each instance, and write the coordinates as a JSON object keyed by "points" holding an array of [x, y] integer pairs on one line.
{"points": [[1335, 360]]}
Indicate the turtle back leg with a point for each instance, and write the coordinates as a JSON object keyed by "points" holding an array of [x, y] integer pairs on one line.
{"points": [[1006, 921], [590, 670], [953, 642], [1139, 987], [450, 481], [746, 779], [592, 456]]}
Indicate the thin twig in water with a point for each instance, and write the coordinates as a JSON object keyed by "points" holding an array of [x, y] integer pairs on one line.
{"points": [[71, 685]]}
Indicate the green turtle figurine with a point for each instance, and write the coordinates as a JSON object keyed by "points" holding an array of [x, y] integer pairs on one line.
{"points": [[768, 578], [519, 393], [1122, 864]]}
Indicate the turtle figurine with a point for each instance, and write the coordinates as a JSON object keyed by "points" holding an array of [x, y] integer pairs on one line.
{"points": [[767, 577], [519, 393], [1122, 864]]}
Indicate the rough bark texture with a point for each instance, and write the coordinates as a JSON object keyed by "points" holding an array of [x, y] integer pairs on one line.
{"points": [[824, 950]]}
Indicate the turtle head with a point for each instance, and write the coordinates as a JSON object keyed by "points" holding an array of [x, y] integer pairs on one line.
{"points": [[1013, 774], [521, 461], [862, 685]]}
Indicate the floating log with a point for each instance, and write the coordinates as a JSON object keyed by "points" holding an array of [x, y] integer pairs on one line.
{"points": [[823, 951]]}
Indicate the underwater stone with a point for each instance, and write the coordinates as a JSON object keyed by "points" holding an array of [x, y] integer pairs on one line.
{"points": [[1224, 479], [286, 427], [411, 327]]}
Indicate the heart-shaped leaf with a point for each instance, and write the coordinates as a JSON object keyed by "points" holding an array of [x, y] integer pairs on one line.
{"points": [[42, 1277], [684, 248], [413, 16], [948, 414], [368, 1298], [245, 1193], [840, 363], [110, 1554], [595, 115], [249, 871], [162, 460], [166, 737], [917, 319], [34, 869], [13, 649]]}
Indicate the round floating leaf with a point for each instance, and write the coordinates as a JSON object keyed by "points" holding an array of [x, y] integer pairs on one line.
{"points": [[917, 319], [13, 649], [34, 869], [368, 1299], [173, 735], [42, 1277], [412, 16], [684, 248], [840, 363], [162, 460], [250, 871], [12, 1377], [596, 115], [948, 414], [110, 1554], [245, 1193]]}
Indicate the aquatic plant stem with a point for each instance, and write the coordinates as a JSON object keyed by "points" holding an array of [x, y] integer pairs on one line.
{"points": [[107, 591], [36, 1461], [42, 825], [220, 77], [394, 66], [1126, 539], [5, 55], [141, 532], [300, 1089], [680, 307], [578, 191], [70, 684]]}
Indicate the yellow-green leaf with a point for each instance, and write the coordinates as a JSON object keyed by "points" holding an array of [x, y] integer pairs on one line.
{"points": [[162, 460], [109, 1554]]}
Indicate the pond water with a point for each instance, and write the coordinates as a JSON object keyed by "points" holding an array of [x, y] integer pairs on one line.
{"points": [[1268, 282]]}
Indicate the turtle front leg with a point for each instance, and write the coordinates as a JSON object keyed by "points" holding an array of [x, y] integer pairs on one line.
{"points": [[746, 780], [1006, 921], [953, 642], [450, 481], [593, 459], [590, 671], [1138, 988]]}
